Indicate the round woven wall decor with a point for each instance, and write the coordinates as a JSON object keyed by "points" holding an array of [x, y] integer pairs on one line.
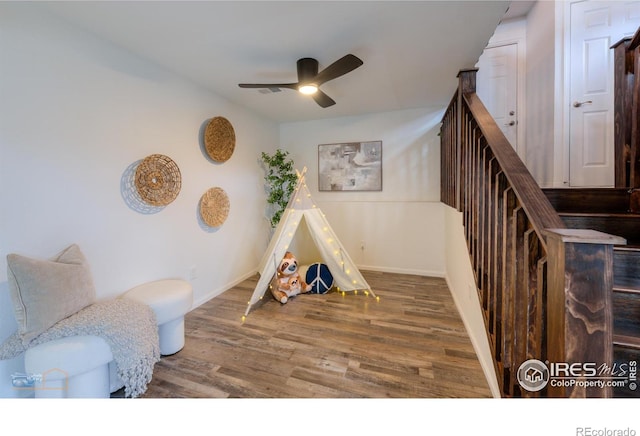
{"points": [[158, 180], [219, 139], [214, 207]]}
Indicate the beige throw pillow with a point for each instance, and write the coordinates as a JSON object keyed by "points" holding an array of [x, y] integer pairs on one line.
{"points": [[44, 292]]}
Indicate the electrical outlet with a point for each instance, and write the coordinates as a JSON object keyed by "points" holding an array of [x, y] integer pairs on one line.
{"points": [[362, 245], [193, 273]]}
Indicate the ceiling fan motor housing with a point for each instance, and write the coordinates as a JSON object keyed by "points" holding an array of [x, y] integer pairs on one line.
{"points": [[307, 70]]}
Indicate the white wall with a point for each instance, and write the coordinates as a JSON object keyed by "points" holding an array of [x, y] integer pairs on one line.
{"points": [[76, 114], [400, 226], [542, 102]]}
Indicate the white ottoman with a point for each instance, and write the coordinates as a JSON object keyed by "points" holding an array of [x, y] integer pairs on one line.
{"points": [[72, 367], [170, 300]]}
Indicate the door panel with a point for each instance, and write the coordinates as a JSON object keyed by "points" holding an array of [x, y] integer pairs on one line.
{"points": [[595, 26], [595, 134], [497, 87]]}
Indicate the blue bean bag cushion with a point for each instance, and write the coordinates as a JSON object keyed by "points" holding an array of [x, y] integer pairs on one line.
{"points": [[319, 277]]}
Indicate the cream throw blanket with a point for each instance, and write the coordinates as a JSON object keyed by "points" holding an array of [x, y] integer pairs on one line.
{"points": [[128, 326]]}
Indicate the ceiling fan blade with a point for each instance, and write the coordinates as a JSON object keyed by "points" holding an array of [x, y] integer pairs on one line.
{"points": [[340, 67], [323, 99], [269, 85]]}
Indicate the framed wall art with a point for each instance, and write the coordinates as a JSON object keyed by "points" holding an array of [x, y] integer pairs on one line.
{"points": [[350, 166]]}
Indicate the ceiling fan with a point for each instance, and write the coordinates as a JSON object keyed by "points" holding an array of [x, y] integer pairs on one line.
{"points": [[309, 79]]}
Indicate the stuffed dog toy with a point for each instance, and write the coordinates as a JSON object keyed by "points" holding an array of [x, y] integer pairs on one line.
{"points": [[287, 283]]}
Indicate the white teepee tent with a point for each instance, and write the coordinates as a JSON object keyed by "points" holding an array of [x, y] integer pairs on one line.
{"points": [[301, 207]]}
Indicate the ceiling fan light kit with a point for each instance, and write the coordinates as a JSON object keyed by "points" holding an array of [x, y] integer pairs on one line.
{"points": [[308, 89], [310, 80]]}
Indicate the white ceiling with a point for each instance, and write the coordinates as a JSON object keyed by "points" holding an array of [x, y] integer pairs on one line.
{"points": [[412, 51]]}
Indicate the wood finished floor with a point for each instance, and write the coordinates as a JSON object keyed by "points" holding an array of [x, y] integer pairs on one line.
{"points": [[410, 344]]}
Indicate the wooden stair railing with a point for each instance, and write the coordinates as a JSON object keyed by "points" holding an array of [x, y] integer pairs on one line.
{"points": [[545, 290]]}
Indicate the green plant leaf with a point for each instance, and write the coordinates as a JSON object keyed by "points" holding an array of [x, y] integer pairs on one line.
{"points": [[280, 180]]}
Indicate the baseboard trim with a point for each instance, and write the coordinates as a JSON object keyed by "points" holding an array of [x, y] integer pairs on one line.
{"points": [[416, 272], [214, 293]]}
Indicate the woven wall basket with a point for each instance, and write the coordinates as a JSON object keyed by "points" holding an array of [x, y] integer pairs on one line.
{"points": [[158, 180], [219, 139], [214, 207]]}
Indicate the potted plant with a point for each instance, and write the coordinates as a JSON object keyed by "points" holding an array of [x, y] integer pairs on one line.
{"points": [[280, 181]]}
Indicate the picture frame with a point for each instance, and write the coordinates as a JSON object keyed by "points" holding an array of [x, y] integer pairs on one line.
{"points": [[350, 166]]}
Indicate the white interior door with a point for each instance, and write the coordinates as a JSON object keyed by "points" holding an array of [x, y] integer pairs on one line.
{"points": [[594, 27], [497, 87]]}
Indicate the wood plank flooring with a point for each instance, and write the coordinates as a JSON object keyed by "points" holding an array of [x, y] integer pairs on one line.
{"points": [[410, 344]]}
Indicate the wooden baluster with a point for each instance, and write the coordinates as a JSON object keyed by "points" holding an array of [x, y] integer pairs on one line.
{"points": [[468, 187], [498, 277], [482, 228], [541, 302], [452, 169], [490, 231], [534, 319], [452, 166], [470, 195], [464, 164], [475, 192], [518, 271], [508, 263], [530, 297]]}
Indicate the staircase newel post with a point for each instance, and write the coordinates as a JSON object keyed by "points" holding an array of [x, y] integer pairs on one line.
{"points": [[579, 309], [467, 80]]}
